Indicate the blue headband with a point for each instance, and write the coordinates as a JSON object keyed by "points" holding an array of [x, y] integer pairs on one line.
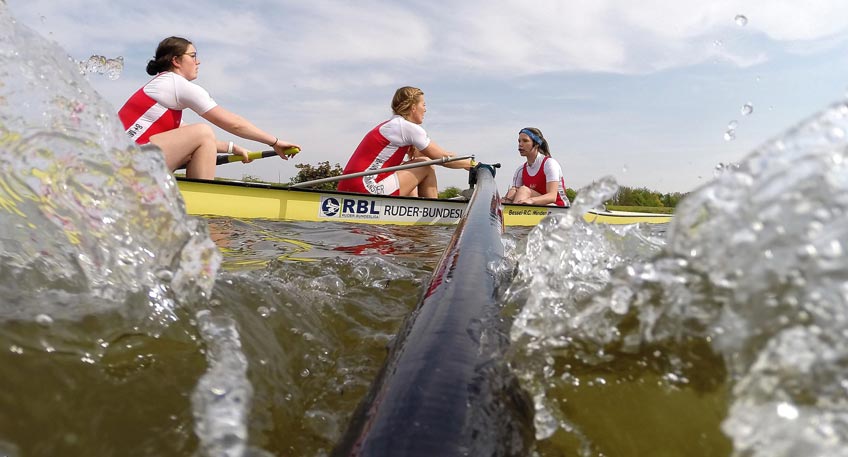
{"points": [[532, 136]]}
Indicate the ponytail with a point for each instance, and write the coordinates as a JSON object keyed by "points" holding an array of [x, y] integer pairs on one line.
{"points": [[166, 51]]}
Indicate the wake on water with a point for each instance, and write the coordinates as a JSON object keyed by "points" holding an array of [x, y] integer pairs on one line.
{"points": [[751, 270]]}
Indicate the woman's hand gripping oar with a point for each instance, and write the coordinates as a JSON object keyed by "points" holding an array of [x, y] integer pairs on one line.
{"points": [[227, 158]]}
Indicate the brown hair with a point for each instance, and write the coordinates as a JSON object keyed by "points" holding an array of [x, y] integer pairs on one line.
{"points": [[543, 143], [405, 98], [166, 51]]}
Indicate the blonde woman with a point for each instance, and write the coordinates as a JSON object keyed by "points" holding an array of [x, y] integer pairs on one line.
{"points": [[387, 144]]}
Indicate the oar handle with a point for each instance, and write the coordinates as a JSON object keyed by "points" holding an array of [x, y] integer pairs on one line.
{"points": [[227, 158]]}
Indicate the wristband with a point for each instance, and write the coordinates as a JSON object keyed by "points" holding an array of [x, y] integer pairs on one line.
{"points": [[276, 140], [230, 147]]}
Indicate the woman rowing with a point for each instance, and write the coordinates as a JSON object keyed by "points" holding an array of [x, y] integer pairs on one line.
{"points": [[387, 144], [154, 114], [539, 181]]}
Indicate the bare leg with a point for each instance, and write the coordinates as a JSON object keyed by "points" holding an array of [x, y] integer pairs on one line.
{"points": [[422, 178], [193, 144], [523, 193]]}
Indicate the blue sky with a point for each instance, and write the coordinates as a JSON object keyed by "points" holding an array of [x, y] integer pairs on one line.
{"points": [[643, 93]]}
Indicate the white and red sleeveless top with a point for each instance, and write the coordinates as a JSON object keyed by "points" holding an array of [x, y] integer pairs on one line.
{"points": [[157, 106], [548, 170], [384, 146]]}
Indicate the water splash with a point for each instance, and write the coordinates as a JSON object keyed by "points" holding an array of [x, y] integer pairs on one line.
{"points": [[221, 401], [752, 272], [100, 65], [565, 262], [85, 212], [782, 298], [95, 244]]}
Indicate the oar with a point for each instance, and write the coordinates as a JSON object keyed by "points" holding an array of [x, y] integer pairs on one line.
{"points": [[447, 365], [227, 158], [381, 170]]}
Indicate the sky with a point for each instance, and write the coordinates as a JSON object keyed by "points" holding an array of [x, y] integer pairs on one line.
{"points": [[642, 91]]}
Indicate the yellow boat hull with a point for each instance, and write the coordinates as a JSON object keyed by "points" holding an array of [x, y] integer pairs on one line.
{"points": [[263, 201]]}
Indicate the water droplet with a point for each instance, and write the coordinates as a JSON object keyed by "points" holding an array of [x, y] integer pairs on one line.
{"points": [[741, 20], [218, 391], [114, 68], [787, 411], [304, 373], [730, 135], [747, 109], [360, 273], [719, 43], [620, 300], [165, 275], [263, 311], [624, 168], [96, 64], [44, 320]]}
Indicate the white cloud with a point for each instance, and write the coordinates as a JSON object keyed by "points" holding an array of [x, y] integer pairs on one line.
{"points": [[510, 37], [322, 72]]}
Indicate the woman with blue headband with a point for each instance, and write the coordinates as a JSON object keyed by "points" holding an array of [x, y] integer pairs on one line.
{"points": [[539, 181]]}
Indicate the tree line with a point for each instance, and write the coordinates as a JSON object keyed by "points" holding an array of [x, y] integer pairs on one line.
{"points": [[625, 196], [642, 196]]}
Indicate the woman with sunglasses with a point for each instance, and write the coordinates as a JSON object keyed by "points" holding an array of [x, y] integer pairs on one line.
{"points": [[539, 181], [154, 114]]}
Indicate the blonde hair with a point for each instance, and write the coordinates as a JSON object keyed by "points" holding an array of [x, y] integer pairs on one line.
{"points": [[405, 98]]}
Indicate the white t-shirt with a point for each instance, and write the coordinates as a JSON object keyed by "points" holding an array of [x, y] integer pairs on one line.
{"points": [[175, 92], [553, 172]]}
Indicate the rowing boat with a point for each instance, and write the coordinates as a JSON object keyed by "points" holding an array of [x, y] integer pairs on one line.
{"points": [[249, 200]]}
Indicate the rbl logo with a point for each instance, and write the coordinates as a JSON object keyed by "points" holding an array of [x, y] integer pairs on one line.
{"points": [[330, 207]]}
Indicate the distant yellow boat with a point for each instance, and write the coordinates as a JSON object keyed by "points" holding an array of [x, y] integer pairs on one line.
{"points": [[244, 200]]}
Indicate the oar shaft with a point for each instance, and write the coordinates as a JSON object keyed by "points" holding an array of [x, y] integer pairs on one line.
{"points": [[381, 170], [227, 158]]}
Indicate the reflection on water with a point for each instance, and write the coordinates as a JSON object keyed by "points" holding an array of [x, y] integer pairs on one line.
{"points": [[250, 244]]}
